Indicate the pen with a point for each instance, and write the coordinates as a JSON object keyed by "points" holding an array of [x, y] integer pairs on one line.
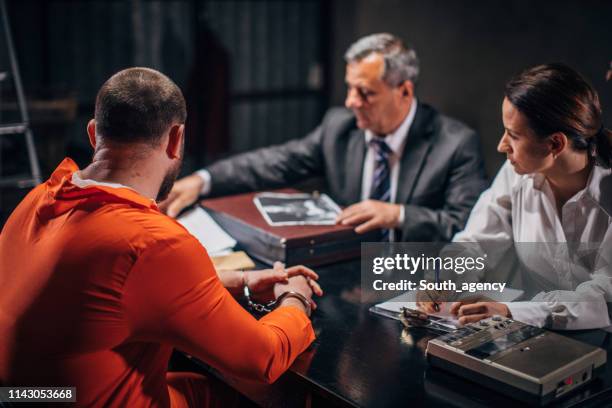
{"points": [[436, 306]]}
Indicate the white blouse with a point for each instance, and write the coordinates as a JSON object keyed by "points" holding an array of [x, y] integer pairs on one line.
{"points": [[574, 279]]}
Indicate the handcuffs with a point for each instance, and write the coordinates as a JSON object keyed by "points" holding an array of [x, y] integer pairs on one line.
{"points": [[268, 307]]}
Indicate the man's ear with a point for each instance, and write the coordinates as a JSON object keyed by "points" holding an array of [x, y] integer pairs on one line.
{"points": [[91, 132], [407, 89], [558, 142], [175, 141]]}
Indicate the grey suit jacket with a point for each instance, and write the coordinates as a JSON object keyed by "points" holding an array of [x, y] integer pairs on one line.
{"points": [[441, 171]]}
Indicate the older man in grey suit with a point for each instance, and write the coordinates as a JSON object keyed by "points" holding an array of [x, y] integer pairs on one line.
{"points": [[397, 164]]}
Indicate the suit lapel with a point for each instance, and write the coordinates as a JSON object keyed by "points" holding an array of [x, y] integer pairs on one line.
{"points": [[354, 167], [418, 144]]}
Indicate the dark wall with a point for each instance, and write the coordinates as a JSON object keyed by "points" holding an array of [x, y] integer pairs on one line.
{"points": [[252, 71], [67, 49], [469, 48]]}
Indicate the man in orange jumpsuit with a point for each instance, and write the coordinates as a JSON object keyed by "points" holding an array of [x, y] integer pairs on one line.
{"points": [[98, 286]]}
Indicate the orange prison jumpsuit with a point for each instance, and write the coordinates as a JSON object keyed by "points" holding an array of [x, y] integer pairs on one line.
{"points": [[97, 287]]}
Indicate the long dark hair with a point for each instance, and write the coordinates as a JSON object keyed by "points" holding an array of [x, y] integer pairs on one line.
{"points": [[555, 98]]}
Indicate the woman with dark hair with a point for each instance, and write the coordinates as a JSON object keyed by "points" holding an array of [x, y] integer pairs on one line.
{"points": [[555, 187]]}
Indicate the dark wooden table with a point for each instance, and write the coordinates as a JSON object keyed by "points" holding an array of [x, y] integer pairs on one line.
{"points": [[360, 359]]}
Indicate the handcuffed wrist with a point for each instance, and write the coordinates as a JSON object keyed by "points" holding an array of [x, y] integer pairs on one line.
{"points": [[243, 279], [298, 296], [265, 308]]}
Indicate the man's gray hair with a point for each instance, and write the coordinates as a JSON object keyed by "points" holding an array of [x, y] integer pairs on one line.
{"points": [[401, 63]]}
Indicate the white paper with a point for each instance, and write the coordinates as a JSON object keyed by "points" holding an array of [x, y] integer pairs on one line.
{"points": [[408, 300], [212, 237]]}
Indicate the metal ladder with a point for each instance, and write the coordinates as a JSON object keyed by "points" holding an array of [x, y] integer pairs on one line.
{"points": [[22, 127]]}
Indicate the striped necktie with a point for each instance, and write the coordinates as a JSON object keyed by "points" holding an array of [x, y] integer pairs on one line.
{"points": [[381, 180]]}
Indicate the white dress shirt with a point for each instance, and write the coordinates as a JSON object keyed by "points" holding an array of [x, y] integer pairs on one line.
{"points": [[396, 142], [522, 209]]}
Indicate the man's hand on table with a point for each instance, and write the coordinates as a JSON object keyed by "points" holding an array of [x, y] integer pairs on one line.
{"points": [[184, 193], [298, 284], [262, 283], [368, 215]]}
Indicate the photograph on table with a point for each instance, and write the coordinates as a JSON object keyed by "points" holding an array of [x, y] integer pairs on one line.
{"points": [[281, 209]]}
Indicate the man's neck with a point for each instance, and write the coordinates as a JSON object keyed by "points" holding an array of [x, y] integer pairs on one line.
{"points": [[126, 169], [403, 113]]}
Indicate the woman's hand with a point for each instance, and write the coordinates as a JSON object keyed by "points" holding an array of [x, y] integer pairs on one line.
{"points": [[433, 301], [476, 311]]}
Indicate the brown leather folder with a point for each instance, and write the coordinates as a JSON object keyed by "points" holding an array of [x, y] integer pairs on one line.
{"points": [[311, 245]]}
